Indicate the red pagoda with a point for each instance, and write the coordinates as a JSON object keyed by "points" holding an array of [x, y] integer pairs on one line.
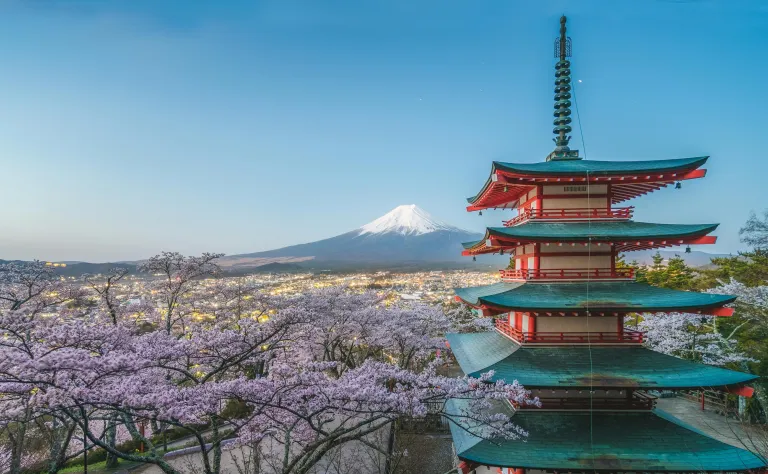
{"points": [[560, 318]]}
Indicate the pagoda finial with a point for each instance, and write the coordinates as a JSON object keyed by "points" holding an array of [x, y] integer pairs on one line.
{"points": [[562, 98], [564, 49]]}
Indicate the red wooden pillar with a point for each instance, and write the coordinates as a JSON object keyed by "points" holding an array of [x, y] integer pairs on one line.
{"points": [[701, 398], [539, 192]]}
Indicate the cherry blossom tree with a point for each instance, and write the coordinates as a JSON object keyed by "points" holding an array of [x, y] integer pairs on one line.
{"points": [[700, 337], [179, 277], [21, 419], [113, 302], [293, 377], [755, 231], [84, 368], [329, 412], [351, 328], [105, 289], [464, 319], [33, 285], [751, 302], [689, 336], [27, 290]]}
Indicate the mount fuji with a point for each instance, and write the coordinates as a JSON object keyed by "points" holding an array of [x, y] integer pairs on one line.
{"points": [[406, 234]]}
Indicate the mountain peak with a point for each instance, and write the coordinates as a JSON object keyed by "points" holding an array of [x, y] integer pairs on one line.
{"points": [[408, 219]]}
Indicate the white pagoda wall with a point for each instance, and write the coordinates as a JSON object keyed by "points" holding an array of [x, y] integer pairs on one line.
{"points": [[568, 248], [576, 324], [594, 196], [575, 203], [594, 261]]}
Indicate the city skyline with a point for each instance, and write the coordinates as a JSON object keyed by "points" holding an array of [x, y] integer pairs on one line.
{"points": [[133, 128]]}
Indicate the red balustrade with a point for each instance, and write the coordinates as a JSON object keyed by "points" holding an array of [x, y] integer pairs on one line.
{"points": [[637, 401], [568, 274], [626, 337], [572, 214]]}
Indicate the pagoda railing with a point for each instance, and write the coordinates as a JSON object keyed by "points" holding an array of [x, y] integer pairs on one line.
{"points": [[538, 337], [568, 274], [572, 214], [638, 401]]}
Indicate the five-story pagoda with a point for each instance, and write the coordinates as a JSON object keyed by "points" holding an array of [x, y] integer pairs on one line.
{"points": [[560, 317]]}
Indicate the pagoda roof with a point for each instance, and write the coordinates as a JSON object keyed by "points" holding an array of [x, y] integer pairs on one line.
{"points": [[627, 235], [628, 178], [598, 168], [575, 441], [580, 366], [616, 296]]}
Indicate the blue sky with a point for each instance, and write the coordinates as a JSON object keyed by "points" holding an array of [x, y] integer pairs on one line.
{"points": [[130, 127]]}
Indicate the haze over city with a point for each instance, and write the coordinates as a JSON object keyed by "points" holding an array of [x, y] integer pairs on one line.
{"points": [[133, 127]]}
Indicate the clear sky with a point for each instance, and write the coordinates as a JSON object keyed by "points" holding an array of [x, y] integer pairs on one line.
{"points": [[130, 127]]}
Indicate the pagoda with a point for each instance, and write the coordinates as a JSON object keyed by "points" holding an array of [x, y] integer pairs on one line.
{"points": [[559, 318]]}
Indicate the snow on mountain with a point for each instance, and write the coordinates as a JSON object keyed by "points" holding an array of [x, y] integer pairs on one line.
{"points": [[408, 219]]}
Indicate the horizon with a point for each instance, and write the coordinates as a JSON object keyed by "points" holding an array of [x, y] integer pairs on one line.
{"points": [[410, 219], [132, 128]]}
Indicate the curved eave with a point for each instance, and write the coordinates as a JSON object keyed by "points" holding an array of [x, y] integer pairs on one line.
{"points": [[598, 168], [629, 179], [564, 367], [625, 236], [606, 297], [598, 442]]}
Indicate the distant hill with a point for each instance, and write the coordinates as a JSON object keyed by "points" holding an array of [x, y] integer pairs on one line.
{"points": [[81, 268], [277, 267], [694, 259]]}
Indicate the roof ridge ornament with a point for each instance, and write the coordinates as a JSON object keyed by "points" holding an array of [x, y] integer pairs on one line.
{"points": [[562, 98]]}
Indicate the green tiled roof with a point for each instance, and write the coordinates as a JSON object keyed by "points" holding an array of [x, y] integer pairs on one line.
{"points": [[594, 231], [593, 167], [469, 245], [599, 168], [602, 296], [601, 441], [473, 294], [576, 366]]}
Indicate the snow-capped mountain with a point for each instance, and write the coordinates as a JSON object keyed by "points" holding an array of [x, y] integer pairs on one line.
{"points": [[405, 234], [407, 220]]}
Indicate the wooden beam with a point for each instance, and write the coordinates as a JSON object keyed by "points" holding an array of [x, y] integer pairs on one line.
{"points": [[719, 312], [698, 173], [707, 239], [742, 391]]}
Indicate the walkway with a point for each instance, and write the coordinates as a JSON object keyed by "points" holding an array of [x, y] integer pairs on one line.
{"points": [[717, 426]]}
